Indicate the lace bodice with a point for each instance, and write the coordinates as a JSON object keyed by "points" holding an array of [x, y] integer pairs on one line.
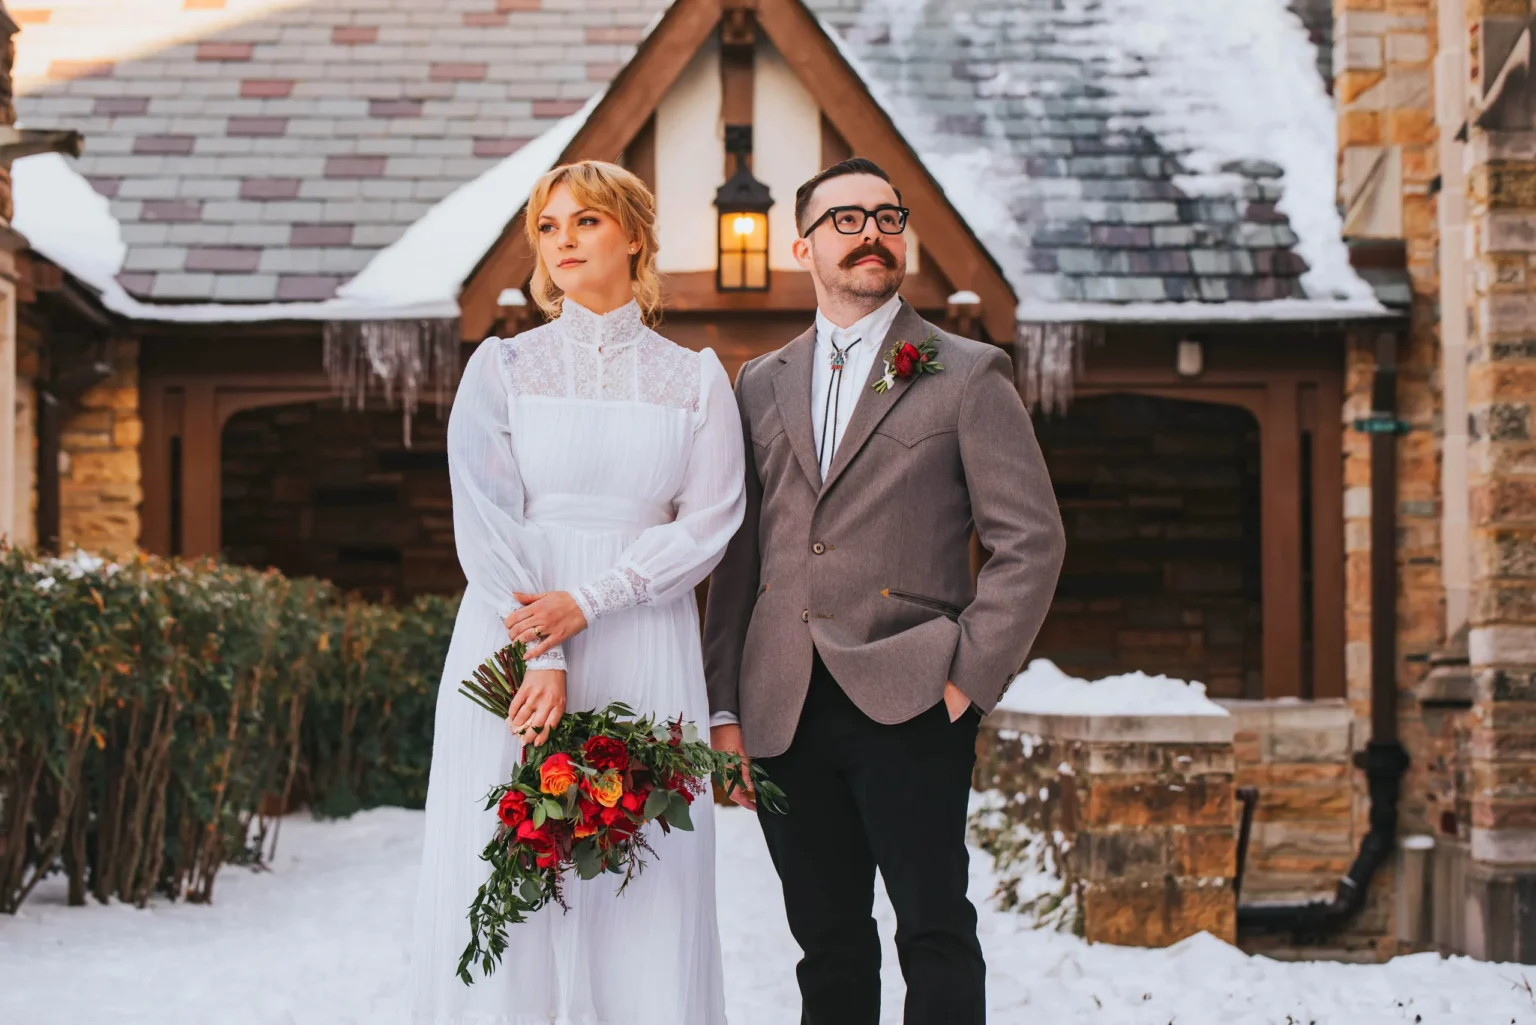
{"points": [[593, 424], [611, 358]]}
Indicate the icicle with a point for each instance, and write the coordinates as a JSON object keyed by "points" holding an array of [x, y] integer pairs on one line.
{"points": [[411, 356], [1052, 356]]}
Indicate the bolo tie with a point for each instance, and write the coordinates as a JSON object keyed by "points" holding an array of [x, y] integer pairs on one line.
{"points": [[832, 403]]}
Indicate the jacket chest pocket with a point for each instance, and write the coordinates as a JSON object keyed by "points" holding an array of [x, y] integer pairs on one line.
{"points": [[912, 431]]}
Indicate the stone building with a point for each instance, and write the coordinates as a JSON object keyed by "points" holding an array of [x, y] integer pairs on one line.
{"points": [[285, 209]]}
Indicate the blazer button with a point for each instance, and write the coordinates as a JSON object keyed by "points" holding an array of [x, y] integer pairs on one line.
{"points": [[805, 615], [819, 548]]}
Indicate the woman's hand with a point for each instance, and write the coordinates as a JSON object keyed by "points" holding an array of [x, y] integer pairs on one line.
{"points": [[538, 705], [544, 621]]}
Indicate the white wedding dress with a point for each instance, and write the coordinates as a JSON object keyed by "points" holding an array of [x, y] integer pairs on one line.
{"points": [[593, 456]]}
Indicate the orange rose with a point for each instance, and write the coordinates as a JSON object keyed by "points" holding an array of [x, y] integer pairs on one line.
{"points": [[557, 775], [607, 789]]}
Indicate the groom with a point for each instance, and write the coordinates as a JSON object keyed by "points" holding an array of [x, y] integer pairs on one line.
{"points": [[844, 644]]}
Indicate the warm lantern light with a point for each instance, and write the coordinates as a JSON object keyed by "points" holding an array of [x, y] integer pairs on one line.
{"points": [[743, 202]]}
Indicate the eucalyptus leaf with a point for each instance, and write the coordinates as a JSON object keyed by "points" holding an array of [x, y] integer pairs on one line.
{"points": [[678, 814]]}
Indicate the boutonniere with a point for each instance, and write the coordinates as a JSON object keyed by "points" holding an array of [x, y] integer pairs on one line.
{"points": [[906, 359]]}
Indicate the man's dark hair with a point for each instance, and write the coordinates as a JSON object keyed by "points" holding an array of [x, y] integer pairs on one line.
{"points": [[853, 165]]}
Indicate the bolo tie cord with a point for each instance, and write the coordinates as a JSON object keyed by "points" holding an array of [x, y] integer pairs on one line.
{"points": [[833, 404]]}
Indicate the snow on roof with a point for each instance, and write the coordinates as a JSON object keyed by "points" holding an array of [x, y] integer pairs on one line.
{"points": [[1223, 83], [1238, 311], [432, 260], [1043, 689], [1124, 153], [66, 220], [69, 223]]}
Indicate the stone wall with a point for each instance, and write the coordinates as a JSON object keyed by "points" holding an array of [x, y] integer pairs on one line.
{"points": [[100, 483], [1387, 135], [1142, 812], [1160, 500], [28, 363], [1297, 755]]}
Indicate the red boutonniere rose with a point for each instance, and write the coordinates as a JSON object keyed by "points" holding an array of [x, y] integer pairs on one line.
{"points": [[906, 359]]}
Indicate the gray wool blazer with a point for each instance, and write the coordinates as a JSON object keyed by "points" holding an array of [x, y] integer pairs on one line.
{"points": [[872, 567]]}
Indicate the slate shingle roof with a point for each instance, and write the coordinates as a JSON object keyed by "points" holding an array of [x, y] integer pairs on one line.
{"points": [[270, 159], [1027, 99], [267, 150]]}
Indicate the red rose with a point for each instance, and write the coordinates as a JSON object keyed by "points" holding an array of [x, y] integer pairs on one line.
{"points": [[910, 351], [513, 809], [633, 803], [604, 753], [539, 841], [903, 364]]}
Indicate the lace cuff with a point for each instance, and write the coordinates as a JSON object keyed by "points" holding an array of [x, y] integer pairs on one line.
{"points": [[614, 591], [554, 658]]}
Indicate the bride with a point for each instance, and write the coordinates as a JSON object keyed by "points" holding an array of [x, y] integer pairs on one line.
{"points": [[597, 473]]}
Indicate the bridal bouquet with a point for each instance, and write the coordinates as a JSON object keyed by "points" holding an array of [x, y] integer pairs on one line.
{"points": [[578, 801]]}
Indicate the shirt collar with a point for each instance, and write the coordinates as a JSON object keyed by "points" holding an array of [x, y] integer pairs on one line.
{"points": [[617, 327], [871, 328]]}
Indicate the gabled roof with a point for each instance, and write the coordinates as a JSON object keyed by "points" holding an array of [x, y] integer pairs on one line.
{"points": [[1133, 155]]}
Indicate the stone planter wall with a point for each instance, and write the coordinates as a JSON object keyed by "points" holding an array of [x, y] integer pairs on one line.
{"points": [[1144, 811], [1298, 756]]}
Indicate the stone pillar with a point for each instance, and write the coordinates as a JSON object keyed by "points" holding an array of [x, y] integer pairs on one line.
{"points": [[99, 486], [1141, 810], [1501, 391]]}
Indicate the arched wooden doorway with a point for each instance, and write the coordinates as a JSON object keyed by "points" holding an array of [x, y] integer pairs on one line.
{"points": [[1203, 537]]}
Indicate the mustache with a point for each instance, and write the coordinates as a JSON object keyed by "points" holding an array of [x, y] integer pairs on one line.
{"points": [[868, 249]]}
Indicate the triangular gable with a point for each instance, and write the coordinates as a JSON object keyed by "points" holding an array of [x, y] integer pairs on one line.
{"points": [[846, 103]]}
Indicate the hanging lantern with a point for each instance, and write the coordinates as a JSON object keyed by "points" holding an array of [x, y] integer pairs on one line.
{"points": [[743, 203]]}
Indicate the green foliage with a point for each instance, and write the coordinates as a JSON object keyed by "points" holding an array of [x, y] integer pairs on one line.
{"points": [[153, 714]]}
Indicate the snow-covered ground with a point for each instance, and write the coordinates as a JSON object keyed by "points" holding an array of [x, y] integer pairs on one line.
{"points": [[320, 941]]}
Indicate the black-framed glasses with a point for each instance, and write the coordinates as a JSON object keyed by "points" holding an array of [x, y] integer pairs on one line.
{"points": [[850, 220]]}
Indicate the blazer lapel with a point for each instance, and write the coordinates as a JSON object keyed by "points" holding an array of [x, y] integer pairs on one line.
{"points": [[792, 389], [872, 405]]}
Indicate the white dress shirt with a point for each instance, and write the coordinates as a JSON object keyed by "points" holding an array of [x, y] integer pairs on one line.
{"points": [[860, 355], [863, 343]]}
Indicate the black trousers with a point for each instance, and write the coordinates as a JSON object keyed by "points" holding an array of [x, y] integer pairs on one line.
{"points": [[862, 796]]}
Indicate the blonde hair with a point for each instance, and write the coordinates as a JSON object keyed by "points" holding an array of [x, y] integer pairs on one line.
{"points": [[621, 195]]}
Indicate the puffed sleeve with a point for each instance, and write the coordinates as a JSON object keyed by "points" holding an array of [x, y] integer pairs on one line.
{"points": [[497, 550], [672, 558]]}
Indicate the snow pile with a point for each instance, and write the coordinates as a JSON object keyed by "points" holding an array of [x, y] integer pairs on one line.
{"points": [[1043, 689], [436, 255], [322, 940]]}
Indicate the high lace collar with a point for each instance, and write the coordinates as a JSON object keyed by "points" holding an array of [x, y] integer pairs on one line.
{"points": [[618, 327]]}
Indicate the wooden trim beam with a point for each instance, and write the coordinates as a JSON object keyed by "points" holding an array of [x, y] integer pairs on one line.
{"points": [[631, 100], [201, 483], [847, 103], [1328, 583], [1280, 524]]}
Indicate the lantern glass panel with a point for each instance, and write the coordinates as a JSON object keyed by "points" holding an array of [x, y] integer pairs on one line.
{"points": [[743, 250]]}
